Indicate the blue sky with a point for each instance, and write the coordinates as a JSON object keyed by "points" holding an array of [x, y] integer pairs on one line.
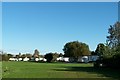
{"points": [[48, 26], [0, 25]]}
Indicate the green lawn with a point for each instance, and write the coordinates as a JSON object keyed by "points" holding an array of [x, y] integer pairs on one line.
{"points": [[55, 70]]}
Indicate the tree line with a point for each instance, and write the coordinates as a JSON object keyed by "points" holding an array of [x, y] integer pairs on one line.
{"points": [[108, 52]]}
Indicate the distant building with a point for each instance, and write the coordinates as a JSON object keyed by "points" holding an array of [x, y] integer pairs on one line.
{"points": [[20, 59], [26, 59], [13, 59], [60, 59], [93, 58], [66, 59]]}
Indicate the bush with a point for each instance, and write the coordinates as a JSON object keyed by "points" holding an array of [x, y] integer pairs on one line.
{"points": [[116, 60], [112, 62], [98, 64]]}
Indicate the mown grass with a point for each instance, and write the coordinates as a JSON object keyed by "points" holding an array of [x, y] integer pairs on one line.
{"points": [[55, 70]]}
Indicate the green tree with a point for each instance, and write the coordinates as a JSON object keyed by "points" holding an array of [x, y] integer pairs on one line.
{"points": [[23, 56], [49, 57], [36, 53], [60, 55], [10, 55], [93, 53], [100, 50], [55, 56], [76, 49], [1, 52], [5, 57], [28, 55], [113, 40], [19, 55]]}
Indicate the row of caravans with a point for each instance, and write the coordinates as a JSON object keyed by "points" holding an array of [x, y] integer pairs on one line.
{"points": [[27, 59], [85, 59], [63, 59]]}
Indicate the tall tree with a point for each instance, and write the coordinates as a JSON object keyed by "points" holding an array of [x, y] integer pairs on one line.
{"points": [[0, 57], [113, 39], [5, 57], [76, 49], [36, 53], [19, 54]]}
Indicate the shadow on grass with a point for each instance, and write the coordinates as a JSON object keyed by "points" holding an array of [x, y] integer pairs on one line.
{"points": [[106, 72]]}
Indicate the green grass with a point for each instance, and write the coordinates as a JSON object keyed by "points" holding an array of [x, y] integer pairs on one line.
{"points": [[55, 70]]}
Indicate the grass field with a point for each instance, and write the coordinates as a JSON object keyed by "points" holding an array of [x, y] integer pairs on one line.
{"points": [[55, 70]]}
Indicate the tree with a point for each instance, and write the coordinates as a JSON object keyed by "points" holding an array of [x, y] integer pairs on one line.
{"points": [[76, 49], [1, 52], [93, 53], [19, 55], [49, 57], [113, 40], [28, 55], [100, 50], [36, 53], [23, 56], [5, 57], [10, 55], [60, 55], [55, 56]]}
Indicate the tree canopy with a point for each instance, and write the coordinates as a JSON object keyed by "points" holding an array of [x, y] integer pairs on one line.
{"points": [[76, 49], [36, 53], [113, 40], [100, 50], [49, 57]]}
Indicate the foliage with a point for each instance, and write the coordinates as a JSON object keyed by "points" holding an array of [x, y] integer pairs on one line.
{"points": [[0, 57], [10, 55], [76, 49], [113, 39], [100, 50], [36, 53], [93, 53], [61, 55], [23, 56], [5, 57], [55, 56], [111, 51], [49, 57]]}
